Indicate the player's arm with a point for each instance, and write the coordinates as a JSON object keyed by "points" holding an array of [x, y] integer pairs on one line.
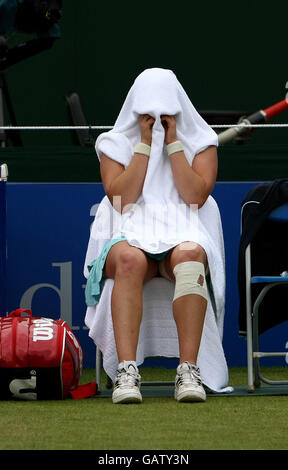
{"points": [[194, 183], [127, 183]]}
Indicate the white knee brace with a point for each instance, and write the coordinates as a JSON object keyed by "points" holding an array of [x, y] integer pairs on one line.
{"points": [[190, 279]]}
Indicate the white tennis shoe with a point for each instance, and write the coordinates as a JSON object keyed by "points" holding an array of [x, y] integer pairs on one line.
{"points": [[127, 384], [188, 383]]}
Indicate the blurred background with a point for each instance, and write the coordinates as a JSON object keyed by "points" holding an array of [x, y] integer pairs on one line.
{"points": [[230, 58]]}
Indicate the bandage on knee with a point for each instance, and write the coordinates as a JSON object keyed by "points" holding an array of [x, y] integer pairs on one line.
{"points": [[190, 279]]}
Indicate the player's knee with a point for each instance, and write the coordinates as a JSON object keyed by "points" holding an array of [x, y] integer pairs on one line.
{"points": [[190, 251], [131, 262], [190, 279]]}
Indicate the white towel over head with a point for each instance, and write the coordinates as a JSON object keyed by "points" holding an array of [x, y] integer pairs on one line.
{"points": [[159, 219]]}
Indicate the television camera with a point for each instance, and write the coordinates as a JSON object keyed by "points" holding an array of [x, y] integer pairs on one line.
{"points": [[37, 17]]}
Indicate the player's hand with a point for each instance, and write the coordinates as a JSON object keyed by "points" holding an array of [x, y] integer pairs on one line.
{"points": [[169, 124], [146, 125]]}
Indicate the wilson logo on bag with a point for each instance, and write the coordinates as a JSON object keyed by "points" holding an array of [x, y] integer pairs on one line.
{"points": [[40, 359]]}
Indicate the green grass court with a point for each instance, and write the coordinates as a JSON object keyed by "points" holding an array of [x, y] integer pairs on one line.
{"points": [[236, 422]]}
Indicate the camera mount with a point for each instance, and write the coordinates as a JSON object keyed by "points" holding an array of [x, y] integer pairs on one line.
{"points": [[38, 17]]}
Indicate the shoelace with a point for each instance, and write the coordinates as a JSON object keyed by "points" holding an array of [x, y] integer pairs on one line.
{"points": [[126, 377], [189, 375]]}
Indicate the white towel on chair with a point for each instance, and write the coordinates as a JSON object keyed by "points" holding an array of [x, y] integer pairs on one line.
{"points": [[158, 334], [157, 222]]}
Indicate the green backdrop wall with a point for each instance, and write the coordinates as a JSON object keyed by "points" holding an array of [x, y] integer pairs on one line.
{"points": [[227, 55]]}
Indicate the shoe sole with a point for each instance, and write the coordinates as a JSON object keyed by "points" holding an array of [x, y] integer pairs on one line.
{"points": [[127, 398], [190, 397]]}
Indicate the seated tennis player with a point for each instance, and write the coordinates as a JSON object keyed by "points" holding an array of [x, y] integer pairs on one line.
{"points": [[158, 167]]}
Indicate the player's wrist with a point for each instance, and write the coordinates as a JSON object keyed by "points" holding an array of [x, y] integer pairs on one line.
{"points": [[174, 147], [143, 148], [146, 140]]}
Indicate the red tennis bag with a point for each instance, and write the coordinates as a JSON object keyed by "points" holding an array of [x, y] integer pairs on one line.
{"points": [[40, 358]]}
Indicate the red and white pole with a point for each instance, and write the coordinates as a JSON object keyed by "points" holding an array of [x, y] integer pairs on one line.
{"points": [[259, 117]]}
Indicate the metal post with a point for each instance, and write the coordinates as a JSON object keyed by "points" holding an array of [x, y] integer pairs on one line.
{"points": [[3, 248], [249, 320]]}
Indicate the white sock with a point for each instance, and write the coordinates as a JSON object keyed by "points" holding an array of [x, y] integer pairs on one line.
{"points": [[126, 364]]}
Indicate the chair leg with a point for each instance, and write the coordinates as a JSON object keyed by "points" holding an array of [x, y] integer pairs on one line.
{"points": [[257, 380], [250, 364], [249, 337], [109, 383], [98, 368], [250, 360]]}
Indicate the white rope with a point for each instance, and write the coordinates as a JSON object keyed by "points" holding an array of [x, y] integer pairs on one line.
{"points": [[61, 128], [248, 125], [55, 128]]}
